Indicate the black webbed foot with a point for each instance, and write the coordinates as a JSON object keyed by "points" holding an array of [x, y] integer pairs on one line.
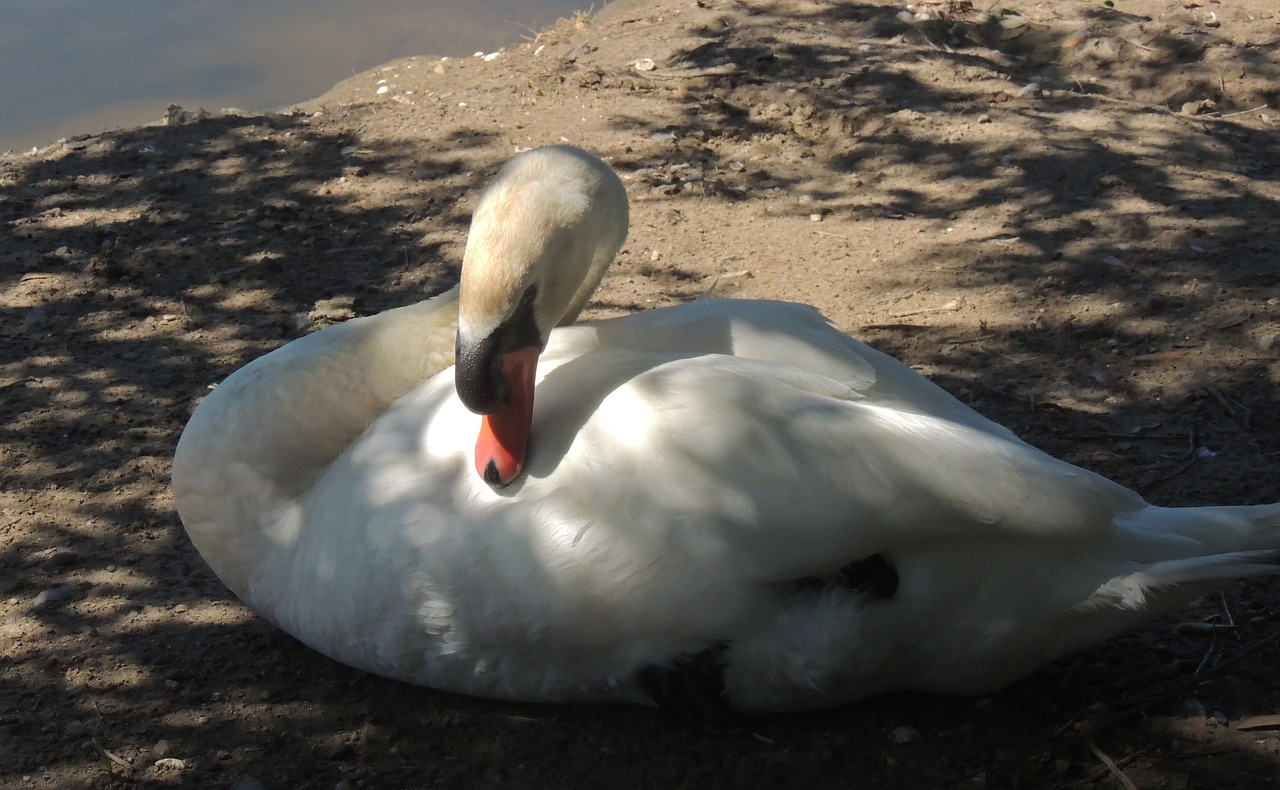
{"points": [[873, 576], [692, 688]]}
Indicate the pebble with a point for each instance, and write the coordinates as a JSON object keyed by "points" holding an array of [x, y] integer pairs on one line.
{"points": [[492, 56], [59, 558], [53, 595], [815, 217], [75, 729], [170, 764], [382, 89], [34, 317], [645, 64], [904, 734], [1202, 107]]}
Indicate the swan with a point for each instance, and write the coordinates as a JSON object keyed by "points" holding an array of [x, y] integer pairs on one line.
{"points": [[723, 505]]}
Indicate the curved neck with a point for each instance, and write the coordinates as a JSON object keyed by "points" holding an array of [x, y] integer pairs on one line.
{"points": [[274, 425]]}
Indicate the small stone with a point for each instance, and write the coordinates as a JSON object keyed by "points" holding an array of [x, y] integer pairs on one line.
{"points": [[904, 734], [1267, 341], [1030, 89], [75, 729], [59, 558], [815, 217], [170, 764], [333, 311], [35, 317], [382, 89], [1202, 107], [645, 64], [53, 595], [492, 56]]}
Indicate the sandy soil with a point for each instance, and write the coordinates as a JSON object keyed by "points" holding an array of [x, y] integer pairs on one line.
{"points": [[1070, 218]]}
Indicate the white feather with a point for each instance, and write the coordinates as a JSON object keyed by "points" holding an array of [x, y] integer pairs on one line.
{"points": [[689, 466]]}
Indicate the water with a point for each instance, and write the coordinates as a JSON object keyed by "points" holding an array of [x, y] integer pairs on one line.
{"points": [[84, 66]]}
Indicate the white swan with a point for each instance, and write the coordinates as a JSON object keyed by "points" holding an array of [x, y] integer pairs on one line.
{"points": [[725, 499]]}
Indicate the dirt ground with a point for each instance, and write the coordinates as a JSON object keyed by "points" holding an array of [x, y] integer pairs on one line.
{"points": [[1067, 215]]}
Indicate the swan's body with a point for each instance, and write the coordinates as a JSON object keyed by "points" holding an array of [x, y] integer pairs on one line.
{"points": [[697, 478]]}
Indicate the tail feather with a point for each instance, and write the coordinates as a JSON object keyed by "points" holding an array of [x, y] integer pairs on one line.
{"points": [[1187, 533], [1164, 586]]}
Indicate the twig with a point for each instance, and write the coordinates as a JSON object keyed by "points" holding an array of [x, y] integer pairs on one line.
{"points": [[1155, 698], [947, 308], [724, 70], [1259, 108], [959, 341], [109, 756], [1115, 770], [1133, 43], [566, 55], [1128, 436], [18, 383]]}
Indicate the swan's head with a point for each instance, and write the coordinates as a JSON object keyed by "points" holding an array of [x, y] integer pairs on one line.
{"points": [[542, 235]]}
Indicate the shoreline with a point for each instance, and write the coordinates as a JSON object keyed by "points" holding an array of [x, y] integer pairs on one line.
{"points": [[287, 63]]}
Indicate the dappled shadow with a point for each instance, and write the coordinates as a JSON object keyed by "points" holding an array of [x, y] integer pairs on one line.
{"points": [[1156, 238], [145, 265]]}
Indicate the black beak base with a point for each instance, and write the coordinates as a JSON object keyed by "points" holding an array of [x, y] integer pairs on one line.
{"points": [[478, 366]]}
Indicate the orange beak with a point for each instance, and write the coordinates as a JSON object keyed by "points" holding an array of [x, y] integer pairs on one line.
{"points": [[504, 435]]}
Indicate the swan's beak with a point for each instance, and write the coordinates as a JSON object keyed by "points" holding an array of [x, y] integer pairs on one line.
{"points": [[504, 433]]}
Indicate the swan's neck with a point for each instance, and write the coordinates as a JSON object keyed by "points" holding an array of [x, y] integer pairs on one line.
{"points": [[262, 437]]}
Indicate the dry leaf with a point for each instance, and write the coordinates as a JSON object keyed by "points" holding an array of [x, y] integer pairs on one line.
{"points": [[1269, 721]]}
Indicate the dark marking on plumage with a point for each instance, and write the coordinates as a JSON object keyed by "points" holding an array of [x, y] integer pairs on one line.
{"points": [[874, 577]]}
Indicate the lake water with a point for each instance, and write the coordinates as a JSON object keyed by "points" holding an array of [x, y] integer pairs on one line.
{"points": [[84, 66]]}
